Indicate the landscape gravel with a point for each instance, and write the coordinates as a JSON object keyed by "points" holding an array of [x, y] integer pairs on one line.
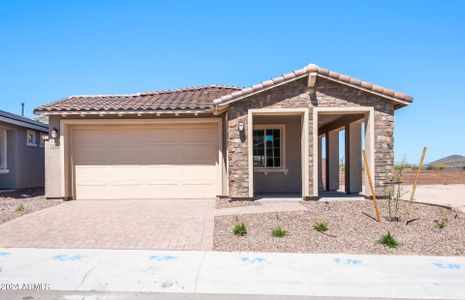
{"points": [[352, 228], [31, 199]]}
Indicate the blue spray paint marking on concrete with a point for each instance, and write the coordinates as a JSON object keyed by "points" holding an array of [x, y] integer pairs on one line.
{"points": [[448, 266], [3, 254], [352, 262], [160, 258], [254, 260], [68, 257]]}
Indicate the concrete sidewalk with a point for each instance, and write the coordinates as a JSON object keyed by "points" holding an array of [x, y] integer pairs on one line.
{"points": [[452, 195], [197, 272]]}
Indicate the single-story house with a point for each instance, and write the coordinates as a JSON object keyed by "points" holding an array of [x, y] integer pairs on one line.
{"points": [[225, 141], [21, 152]]}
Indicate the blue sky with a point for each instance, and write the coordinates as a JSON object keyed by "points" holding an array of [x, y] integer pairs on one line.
{"points": [[52, 49]]}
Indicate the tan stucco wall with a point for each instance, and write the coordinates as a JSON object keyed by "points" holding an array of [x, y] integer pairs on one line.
{"points": [[291, 182], [53, 174]]}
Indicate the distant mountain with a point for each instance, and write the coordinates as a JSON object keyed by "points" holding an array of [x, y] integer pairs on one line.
{"points": [[452, 161]]}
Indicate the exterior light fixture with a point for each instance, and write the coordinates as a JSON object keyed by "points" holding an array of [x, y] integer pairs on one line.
{"points": [[240, 126], [54, 133]]}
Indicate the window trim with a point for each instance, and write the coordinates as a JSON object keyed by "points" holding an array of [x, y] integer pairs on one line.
{"points": [[4, 162], [41, 139], [34, 134], [282, 146]]}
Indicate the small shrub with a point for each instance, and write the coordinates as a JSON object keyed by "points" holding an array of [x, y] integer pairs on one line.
{"points": [[320, 226], [240, 229], [441, 224], [388, 240], [20, 208], [278, 232]]}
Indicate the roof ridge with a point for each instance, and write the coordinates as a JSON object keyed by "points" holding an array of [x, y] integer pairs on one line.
{"points": [[192, 88]]}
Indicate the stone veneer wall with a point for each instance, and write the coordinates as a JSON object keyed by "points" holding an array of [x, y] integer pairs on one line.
{"points": [[296, 94]]}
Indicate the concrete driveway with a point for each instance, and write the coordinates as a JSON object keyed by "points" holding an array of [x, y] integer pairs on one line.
{"points": [[115, 224]]}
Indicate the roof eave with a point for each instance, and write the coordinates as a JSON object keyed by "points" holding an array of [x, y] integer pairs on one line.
{"points": [[122, 112]]}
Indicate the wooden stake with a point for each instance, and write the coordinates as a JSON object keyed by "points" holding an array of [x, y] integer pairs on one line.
{"points": [[414, 188], [367, 170]]}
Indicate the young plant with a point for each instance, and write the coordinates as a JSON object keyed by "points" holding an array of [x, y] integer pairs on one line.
{"points": [[388, 240], [394, 192], [320, 226], [441, 224], [240, 229], [20, 208], [278, 232]]}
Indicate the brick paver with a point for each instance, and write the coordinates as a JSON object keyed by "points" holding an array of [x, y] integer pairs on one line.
{"points": [[115, 224]]}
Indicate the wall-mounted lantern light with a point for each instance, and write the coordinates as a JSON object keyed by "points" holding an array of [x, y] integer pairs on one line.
{"points": [[54, 133], [240, 126]]}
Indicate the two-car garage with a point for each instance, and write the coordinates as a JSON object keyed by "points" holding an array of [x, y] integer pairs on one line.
{"points": [[145, 160]]}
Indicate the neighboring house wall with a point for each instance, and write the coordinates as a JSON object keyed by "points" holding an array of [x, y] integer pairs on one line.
{"points": [[29, 161], [279, 182], [297, 94], [8, 180], [25, 163]]}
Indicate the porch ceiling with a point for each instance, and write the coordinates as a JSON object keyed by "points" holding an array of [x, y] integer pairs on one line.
{"points": [[329, 122]]}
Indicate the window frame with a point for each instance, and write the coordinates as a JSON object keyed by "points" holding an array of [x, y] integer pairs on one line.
{"points": [[34, 134], [41, 139], [4, 149], [282, 148]]}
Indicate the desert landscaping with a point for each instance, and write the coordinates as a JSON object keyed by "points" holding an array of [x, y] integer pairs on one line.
{"points": [[14, 204], [351, 227]]}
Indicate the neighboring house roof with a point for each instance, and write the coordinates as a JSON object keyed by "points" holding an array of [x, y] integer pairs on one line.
{"points": [[206, 97], [315, 71], [193, 98], [22, 121]]}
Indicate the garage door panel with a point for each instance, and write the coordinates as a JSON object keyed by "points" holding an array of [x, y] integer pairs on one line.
{"points": [[126, 154], [199, 154], [198, 135], [165, 161], [92, 175], [92, 154], [163, 154], [162, 135]]}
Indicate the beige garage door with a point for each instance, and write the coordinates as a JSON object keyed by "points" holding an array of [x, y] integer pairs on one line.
{"points": [[150, 161]]}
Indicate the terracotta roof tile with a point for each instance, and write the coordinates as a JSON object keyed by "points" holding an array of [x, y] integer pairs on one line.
{"points": [[178, 99]]}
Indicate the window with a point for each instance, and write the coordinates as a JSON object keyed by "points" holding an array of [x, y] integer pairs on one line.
{"points": [[31, 138], [42, 140], [268, 147], [3, 161]]}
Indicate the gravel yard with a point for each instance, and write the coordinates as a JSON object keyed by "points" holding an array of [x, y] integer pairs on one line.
{"points": [[226, 203], [351, 229], [17, 203]]}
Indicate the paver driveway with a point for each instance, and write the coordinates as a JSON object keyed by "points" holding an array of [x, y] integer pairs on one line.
{"points": [[119, 224]]}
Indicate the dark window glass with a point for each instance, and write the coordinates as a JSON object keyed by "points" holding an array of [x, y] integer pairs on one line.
{"points": [[266, 148]]}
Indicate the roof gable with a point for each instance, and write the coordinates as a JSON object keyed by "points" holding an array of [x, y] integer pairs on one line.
{"points": [[313, 71]]}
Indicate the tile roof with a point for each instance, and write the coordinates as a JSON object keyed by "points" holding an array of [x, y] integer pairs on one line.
{"points": [[205, 97], [192, 98], [325, 73]]}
